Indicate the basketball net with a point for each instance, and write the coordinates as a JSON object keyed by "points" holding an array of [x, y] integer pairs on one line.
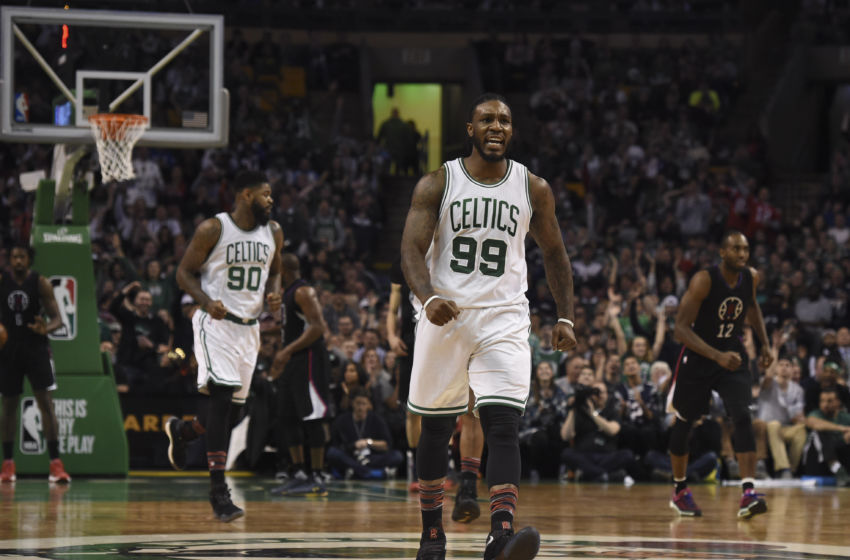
{"points": [[115, 135]]}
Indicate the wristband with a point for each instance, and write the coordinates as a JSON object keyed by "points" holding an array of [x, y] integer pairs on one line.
{"points": [[429, 300], [566, 321]]}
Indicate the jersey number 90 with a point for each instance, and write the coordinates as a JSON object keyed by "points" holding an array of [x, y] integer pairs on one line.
{"points": [[239, 278], [465, 252]]}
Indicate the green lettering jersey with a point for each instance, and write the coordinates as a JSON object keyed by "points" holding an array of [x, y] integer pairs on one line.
{"points": [[477, 256], [237, 268]]}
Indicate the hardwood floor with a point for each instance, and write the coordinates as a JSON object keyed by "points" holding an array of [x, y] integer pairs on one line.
{"points": [[170, 517]]}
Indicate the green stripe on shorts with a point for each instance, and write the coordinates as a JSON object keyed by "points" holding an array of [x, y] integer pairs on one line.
{"points": [[449, 411], [504, 401]]}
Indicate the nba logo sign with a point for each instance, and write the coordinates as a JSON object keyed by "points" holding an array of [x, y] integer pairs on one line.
{"points": [[65, 292], [32, 442], [22, 108]]}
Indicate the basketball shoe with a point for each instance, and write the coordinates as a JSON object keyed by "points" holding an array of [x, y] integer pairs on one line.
{"points": [[7, 474], [751, 504], [432, 545], [466, 507], [298, 479], [312, 485], [57, 472], [223, 507], [176, 444], [683, 502], [505, 545]]}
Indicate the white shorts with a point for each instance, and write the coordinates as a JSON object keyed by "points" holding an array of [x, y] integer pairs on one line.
{"points": [[226, 353], [484, 349]]}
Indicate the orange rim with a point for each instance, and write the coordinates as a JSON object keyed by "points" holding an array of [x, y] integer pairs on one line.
{"points": [[110, 124]]}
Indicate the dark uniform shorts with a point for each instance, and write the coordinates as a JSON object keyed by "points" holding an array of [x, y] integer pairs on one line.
{"points": [[697, 376], [31, 361], [304, 384], [405, 365]]}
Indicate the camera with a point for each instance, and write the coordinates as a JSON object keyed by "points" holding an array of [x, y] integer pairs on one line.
{"points": [[584, 392]]}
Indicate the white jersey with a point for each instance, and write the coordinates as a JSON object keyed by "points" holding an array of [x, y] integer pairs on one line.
{"points": [[237, 268], [477, 256]]}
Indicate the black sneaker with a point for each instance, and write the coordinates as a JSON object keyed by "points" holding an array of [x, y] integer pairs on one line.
{"points": [[432, 545], [505, 545], [176, 444], [298, 479], [312, 486], [466, 507], [223, 508]]}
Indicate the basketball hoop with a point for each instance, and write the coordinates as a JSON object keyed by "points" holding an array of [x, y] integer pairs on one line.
{"points": [[115, 136]]}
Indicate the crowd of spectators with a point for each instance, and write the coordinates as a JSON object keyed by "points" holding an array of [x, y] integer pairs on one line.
{"points": [[626, 138]]}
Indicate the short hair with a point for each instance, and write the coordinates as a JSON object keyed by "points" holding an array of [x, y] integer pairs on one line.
{"points": [[832, 390], [484, 98], [24, 247], [248, 180], [360, 393], [729, 233], [290, 261]]}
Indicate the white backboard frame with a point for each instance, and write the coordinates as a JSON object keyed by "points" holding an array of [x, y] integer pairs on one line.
{"points": [[216, 134]]}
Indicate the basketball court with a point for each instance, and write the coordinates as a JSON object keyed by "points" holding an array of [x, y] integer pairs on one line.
{"points": [[59, 68], [169, 517]]}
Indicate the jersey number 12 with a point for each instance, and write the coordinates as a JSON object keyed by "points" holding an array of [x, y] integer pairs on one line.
{"points": [[725, 330]]}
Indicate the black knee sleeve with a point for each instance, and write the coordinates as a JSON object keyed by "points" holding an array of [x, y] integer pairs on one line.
{"points": [[743, 439], [679, 437], [501, 431], [315, 432], [432, 459], [218, 417]]}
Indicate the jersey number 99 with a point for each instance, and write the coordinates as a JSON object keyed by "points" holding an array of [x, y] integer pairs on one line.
{"points": [[465, 250]]}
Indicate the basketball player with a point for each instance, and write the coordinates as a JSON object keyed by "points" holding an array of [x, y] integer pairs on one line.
{"points": [[303, 395], [23, 295], [710, 324], [466, 508], [401, 337], [463, 255], [231, 259]]}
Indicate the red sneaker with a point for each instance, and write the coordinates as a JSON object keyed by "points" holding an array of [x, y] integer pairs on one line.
{"points": [[751, 504], [684, 504], [57, 472], [8, 472]]}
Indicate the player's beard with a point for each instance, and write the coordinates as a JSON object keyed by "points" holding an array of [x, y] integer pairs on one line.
{"points": [[491, 158], [261, 216]]}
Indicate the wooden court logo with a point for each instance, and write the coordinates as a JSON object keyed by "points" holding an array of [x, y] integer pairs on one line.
{"points": [[392, 546]]}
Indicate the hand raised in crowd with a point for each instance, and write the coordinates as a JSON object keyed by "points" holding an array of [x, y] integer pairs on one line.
{"points": [[216, 309], [135, 285], [116, 244], [441, 311]]}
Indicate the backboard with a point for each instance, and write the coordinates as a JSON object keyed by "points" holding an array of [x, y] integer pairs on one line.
{"points": [[58, 66]]}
